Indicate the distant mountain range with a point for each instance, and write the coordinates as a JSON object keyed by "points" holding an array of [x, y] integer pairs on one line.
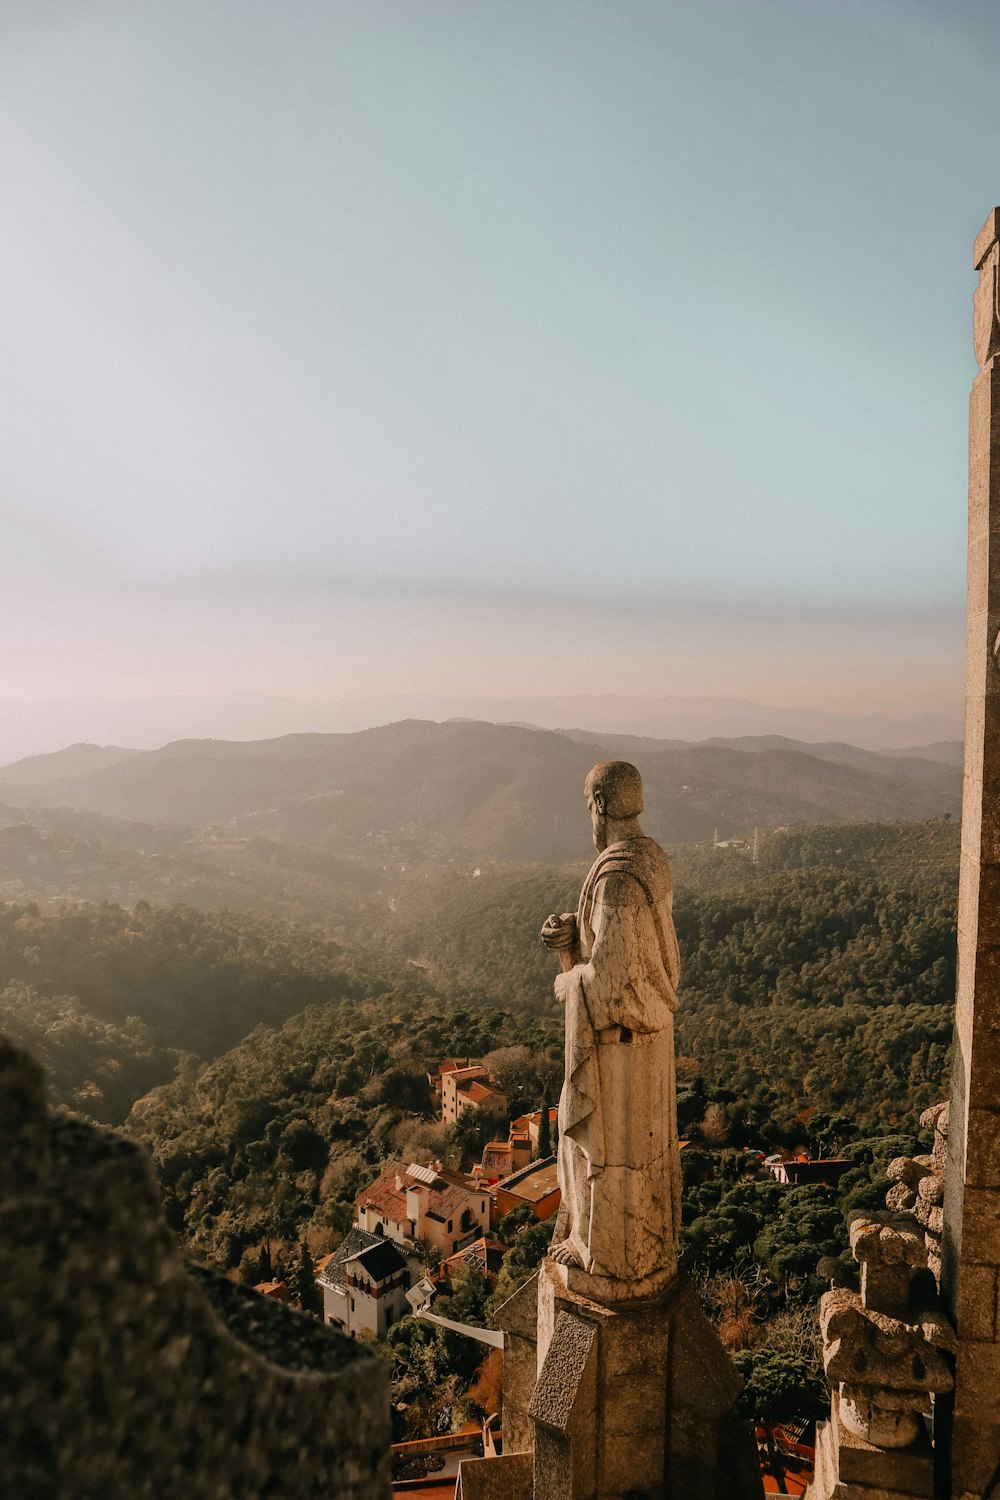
{"points": [[58, 765], [468, 789], [29, 728]]}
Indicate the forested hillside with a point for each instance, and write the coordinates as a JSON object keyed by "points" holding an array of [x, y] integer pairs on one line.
{"points": [[816, 1005], [814, 971], [275, 1138], [478, 791], [110, 1000]]}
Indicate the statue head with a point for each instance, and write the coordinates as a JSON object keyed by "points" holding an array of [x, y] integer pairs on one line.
{"points": [[613, 791]]}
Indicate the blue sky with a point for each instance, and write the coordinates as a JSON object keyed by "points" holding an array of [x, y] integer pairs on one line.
{"points": [[490, 347]]}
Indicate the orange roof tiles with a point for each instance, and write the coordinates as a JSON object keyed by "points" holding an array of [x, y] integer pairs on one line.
{"points": [[478, 1092], [452, 1064], [498, 1158], [440, 1203], [276, 1289]]}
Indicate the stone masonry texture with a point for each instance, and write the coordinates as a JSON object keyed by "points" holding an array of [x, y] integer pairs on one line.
{"points": [[971, 1239], [127, 1372]]}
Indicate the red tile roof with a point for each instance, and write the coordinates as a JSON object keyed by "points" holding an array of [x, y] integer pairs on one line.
{"points": [[448, 1196], [478, 1092], [524, 1121], [484, 1255], [498, 1158], [453, 1064], [276, 1289]]}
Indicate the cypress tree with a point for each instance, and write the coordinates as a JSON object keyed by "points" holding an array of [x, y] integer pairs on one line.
{"points": [[266, 1270], [303, 1283], [544, 1131]]}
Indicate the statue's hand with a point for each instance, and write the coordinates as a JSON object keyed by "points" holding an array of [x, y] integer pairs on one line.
{"points": [[563, 987], [559, 932]]}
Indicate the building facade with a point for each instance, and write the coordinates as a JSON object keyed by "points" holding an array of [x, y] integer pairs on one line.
{"points": [[364, 1285], [427, 1206]]}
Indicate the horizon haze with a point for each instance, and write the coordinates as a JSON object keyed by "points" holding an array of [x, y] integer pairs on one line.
{"points": [[489, 352], [46, 727]]}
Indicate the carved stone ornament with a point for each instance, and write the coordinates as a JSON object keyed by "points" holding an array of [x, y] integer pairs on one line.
{"points": [[886, 1368]]}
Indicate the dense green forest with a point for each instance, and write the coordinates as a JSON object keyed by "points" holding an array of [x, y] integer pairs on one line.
{"points": [[272, 1069], [275, 1139], [111, 1000], [821, 977]]}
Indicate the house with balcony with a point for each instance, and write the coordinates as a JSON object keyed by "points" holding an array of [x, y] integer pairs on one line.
{"points": [[364, 1285], [427, 1206]]}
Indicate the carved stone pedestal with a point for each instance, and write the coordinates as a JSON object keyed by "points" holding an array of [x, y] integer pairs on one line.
{"points": [[848, 1468], [632, 1402], [886, 1352]]}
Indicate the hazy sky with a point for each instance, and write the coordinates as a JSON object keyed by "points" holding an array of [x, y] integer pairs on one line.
{"points": [[490, 346]]}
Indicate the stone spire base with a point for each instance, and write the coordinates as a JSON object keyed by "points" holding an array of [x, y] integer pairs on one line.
{"points": [[630, 1402], [848, 1468]]}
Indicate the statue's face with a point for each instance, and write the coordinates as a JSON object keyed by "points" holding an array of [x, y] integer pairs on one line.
{"points": [[598, 822]]}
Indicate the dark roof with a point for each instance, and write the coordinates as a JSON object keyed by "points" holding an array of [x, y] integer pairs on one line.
{"points": [[354, 1241], [381, 1260], [332, 1272]]}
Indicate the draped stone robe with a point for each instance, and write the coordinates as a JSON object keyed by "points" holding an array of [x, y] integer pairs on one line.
{"points": [[618, 1166]]}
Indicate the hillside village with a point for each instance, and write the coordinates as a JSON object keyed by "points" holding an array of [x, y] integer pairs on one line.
{"points": [[422, 1233], [416, 1225]]}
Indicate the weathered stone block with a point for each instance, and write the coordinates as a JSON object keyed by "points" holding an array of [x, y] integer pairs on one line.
{"points": [[509, 1477], [982, 1160], [564, 1393], [831, 1482], [518, 1318], [909, 1470], [986, 972], [974, 1454], [977, 1304], [977, 1381], [986, 238], [663, 1398], [981, 1226]]}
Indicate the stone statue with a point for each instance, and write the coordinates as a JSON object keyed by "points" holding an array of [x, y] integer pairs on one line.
{"points": [[619, 1169]]}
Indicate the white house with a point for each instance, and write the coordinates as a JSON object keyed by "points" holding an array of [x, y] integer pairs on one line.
{"points": [[364, 1285]]}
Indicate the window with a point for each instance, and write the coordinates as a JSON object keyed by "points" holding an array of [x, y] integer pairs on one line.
{"points": [[449, 1226]]}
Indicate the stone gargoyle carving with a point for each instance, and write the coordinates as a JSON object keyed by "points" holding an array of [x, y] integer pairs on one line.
{"points": [[918, 1184], [886, 1369], [883, 1346]]}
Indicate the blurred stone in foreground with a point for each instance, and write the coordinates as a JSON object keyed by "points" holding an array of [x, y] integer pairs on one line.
{"points": [[127, 1371]]}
